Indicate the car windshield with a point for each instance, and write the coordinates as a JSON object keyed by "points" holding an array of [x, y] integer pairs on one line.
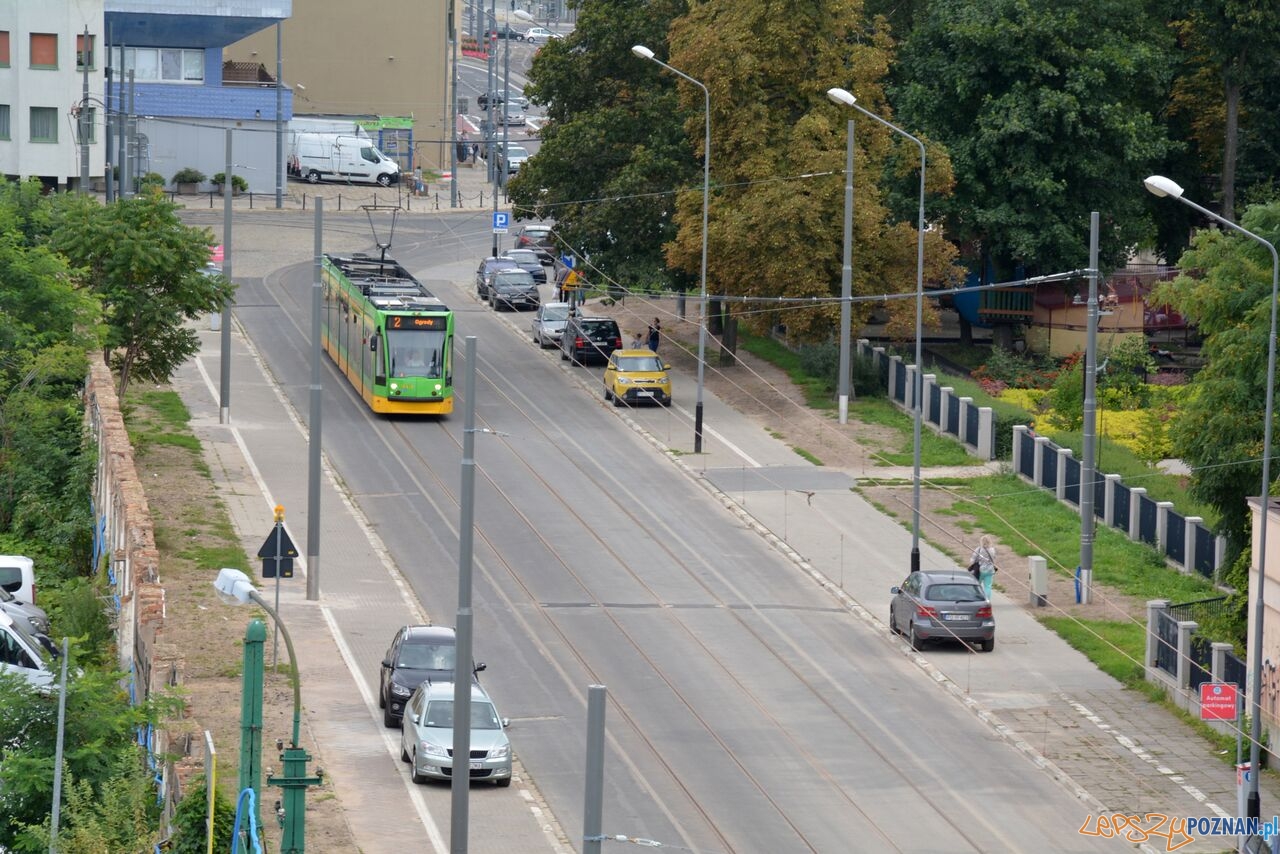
{"points": [[555, 312], [417, 353], [516, 151], [427, 656], [440, 715], [513, 277], [524, 256], [628, 364], [599, 327], [958, 592]]}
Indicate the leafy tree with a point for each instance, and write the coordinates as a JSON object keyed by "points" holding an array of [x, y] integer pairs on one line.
{"points": [[1048, 108], [1220, 427], [189, 835], [775, 229], [613, 150], [147, 268], [119, 815]]}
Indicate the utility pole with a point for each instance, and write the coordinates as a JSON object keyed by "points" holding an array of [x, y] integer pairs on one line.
{"points": [[255, 638], [84, 115], [121, 121], [279, 121], [453, 106], [108, 125]]}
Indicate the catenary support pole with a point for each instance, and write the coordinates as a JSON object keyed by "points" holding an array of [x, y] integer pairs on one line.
{"points": [[593, 802], [461, 782], [224, 387], [846, 279], [1089, 446], [57, 752], [84, 126], [279, 118], [313, 439]]}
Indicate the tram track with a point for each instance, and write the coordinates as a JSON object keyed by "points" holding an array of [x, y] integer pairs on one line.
{"points": [[878, 739]]}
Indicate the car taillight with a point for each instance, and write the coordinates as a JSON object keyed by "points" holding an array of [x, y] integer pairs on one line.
{"points": [[617, 343], [926, 612], [579, 342], [984, 613]]}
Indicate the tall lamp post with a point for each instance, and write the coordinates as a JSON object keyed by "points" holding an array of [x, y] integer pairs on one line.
{"points": [[845, 98], [644, 53], [846, 270], [1161, 186], [235, 588]]}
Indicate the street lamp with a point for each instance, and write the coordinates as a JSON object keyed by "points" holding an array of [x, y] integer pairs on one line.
{"points": [[845, 98], [235, 588], [1161, 186], [644, 53], [846, 270]]}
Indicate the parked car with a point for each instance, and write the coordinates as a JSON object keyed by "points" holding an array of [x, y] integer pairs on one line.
{"points": [[506, 31], [26, 653], [530, 262], [540, 35], [513, 289], [416, 654], [35, 616], [426, 736], [512, 157], [484, 98], [636, 376], [948, 604], [588, 339], [18, 576], [486, 270], [548, 323], [538, 237], [513, 114]]}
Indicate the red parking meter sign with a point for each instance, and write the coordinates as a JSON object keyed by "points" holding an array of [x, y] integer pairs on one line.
{"points": [[1218, 701]]}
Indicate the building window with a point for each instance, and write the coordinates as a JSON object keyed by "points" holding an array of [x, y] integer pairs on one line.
{"points": [[44, 124], [4, 121], [84, 52], [44, 50], [166, 65], [4, 48]]}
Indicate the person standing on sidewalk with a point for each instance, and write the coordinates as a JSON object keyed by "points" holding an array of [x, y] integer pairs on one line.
{"points": [[655, 330], [985, 557]]}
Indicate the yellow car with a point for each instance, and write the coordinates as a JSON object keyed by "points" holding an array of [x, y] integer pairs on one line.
{"points": [[633, 376]]}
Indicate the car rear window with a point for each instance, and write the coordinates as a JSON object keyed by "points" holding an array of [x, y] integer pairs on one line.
{"points": [[954, 592], [513, 277], [599, 327]]}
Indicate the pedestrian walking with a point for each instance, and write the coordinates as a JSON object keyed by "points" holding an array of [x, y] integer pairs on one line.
{"points": [[655, 330], [983, 564]]}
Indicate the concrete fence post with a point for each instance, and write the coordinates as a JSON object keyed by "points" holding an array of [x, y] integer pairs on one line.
{"points": [[986, 433], [1109, 499], [1135, 507], [1162, 524], [928, 381], [910, 397], [1219, 669], [1190, 532], [1037, 463], [1060, 486], [1019, 430], [1155, 607]]}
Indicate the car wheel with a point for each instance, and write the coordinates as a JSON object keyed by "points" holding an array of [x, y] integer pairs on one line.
{"points": [[384, 180], [389, 720], [404, 754], [504, 783], [382, 699], [618, 401], [413, 772], [564, 357], [917, 642], [988, 645], [608, 395], [313, 177], [666, 401], [893, 626]]}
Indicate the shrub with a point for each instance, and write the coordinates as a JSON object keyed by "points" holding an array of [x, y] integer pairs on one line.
{"points": [[149, 180], [238, 183], [189, 822], [1014, 369], [188, 175]]}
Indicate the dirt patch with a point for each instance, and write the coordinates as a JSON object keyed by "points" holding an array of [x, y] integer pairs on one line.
{"points": [[193, 533]]}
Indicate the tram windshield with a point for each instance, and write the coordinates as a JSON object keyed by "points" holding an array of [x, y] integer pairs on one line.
{"points": [[417, 353]]}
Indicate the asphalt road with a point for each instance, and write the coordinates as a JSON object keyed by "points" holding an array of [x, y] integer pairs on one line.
{"points": [[748, 710]]}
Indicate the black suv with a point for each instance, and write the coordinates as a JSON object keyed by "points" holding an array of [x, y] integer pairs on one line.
{"points": [[513, 289], [588, 339], [416, 654], [539, 238]]}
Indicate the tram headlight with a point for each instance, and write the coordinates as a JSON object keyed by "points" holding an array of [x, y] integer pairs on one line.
{"points": [[395, 386]]}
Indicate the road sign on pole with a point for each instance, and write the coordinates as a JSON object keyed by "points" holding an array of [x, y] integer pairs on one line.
{"points": [[501, 221], [1218, 701]]}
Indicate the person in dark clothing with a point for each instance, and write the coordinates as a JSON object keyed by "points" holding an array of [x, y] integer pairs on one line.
{"points": [[655, 330]]}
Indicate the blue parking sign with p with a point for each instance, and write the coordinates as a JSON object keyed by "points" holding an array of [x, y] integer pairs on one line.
{"points": [[501, 219]]}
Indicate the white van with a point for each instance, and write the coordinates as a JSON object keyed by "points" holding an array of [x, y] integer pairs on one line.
{"points": [[21, 652], [320, 157], [18, 576]]}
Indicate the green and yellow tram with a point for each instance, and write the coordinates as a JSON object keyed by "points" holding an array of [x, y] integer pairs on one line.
{"points": [[389, 335]]}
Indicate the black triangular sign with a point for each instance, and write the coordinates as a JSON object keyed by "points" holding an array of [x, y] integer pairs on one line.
{"points": [[278, 543]]}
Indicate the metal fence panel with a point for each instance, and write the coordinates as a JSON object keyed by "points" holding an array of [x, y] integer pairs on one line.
{"points": [[953, 417], [1120, 513], [1175, 537], [935, 404], [1235, 670], [971, 428], [1167, 643], [1099, 495], [1201, 610], [900, 384], [1201, 661], [1147, 520], [882, 368], [1049, 468], [1027, 463], [1073, 480], [1203, 559]]}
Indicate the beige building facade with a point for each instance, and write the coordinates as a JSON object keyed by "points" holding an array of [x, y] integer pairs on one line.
{"points": [[360, 59]]}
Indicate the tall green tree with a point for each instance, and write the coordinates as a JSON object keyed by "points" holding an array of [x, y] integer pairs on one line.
{"points": [[1219, 429], [1048, 108], [146, 266], [613, 152], [778, 156]]}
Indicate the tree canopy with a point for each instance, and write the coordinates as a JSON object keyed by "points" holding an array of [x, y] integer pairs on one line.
{"points": [[147, 268], [1049, 110]]}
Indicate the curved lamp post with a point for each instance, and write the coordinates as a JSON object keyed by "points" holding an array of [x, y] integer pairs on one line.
{"points": [[644, 53], [846, 99], [235, 588], [1161, 186]]}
